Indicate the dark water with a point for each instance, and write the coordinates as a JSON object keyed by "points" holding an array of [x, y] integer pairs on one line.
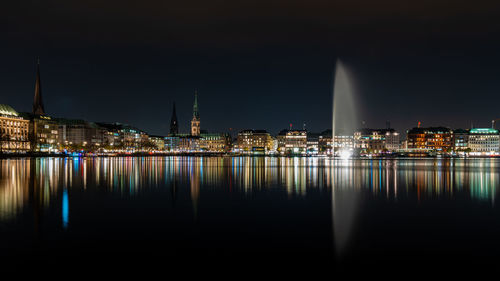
{"points": [[251, 213]]}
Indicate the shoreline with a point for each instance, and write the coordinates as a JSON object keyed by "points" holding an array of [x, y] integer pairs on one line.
{"points": [[220, 154]]}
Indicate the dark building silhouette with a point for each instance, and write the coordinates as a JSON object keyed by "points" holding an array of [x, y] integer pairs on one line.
{"points": [[174, 127], [38, 108]]}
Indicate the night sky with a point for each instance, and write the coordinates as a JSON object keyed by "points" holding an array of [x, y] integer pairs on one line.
{"points": [[255, 64]]}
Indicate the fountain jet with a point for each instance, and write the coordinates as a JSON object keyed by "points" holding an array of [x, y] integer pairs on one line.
{"points": [[345, 198], [344, 113]]}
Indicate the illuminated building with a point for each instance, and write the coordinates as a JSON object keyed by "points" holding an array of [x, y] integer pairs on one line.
{"points": [[174, 126], [325, 142], [376, 140], [343, 142], [483, 141], [123, 137], [206, 142], [431, 138], [171, 143], [274, 145], [43, 132], [250, 141], [313, 143], [215, 142], [134, 137], [79, 132], [189, 143], [340, 142], [113, 137], [460, 140], [158, 142], [392, 142], [195, 122], [13, 129], [292, 141]]}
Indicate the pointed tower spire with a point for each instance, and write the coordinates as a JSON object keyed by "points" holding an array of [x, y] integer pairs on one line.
{"points": [[174, 127], [195, 105], [37, 101], [195, 122]]}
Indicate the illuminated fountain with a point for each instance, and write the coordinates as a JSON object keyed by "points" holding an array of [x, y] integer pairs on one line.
{"points": [[345, 197], [344, 113]]}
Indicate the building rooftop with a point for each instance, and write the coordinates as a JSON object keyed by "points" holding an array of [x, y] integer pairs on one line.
{"points": [[483, 131], [7, 110], [252, 131], [66, 121], [286, 131], [156, 136], [431, 130], [119, 126], [369, 131]]}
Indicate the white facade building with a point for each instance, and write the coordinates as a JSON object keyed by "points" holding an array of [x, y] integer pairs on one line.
{"points": [[484, 141]]}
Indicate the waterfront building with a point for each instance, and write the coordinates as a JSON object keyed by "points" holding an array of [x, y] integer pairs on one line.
{"points": [[74, 132], [215, 142], [188, 143], [325, 143], [195, 122], [174, 126], [376, 141], [46, 131], [313, 143], [123, 137], [292, 141], [274, 146], [341, 142], [460, 140], [254, 141], [392, 140], [14, 130], [113, 137], [483, 141], [158, 142], [172, 143], [133, 138], [43, 132], [430, 139]]}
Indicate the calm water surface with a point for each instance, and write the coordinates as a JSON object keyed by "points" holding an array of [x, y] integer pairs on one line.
{"points": [[239, 210]]}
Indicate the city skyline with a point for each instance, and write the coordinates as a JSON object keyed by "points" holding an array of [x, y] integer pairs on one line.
{"points": [[38, 132], [471, 122], [263, 65]]}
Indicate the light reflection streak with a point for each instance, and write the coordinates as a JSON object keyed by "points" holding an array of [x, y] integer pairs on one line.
{"points": [[65, 208], [45, 179]]}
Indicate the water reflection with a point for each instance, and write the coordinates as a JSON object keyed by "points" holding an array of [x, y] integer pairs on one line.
{"points": [[38, 183]]}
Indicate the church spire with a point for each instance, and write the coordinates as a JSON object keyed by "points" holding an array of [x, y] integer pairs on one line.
{"points": [[174, 127], [195, 122], [37, 101], [195, 105]]}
